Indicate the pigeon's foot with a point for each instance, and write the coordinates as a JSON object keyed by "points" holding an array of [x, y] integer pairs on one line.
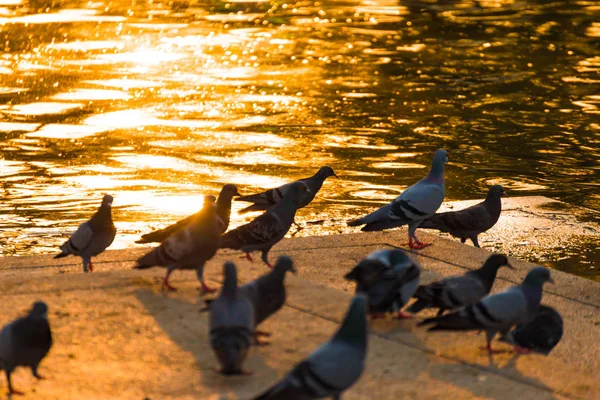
{"points": [[261, 343], [402, 315], [204, 289], [248, 257], [522, 350], [242, 372], [377, 315], [490, 350], [167, 286], [262, 333], [40, 377], [91, 267], [417, 245], [16, 392], [269, 265]]}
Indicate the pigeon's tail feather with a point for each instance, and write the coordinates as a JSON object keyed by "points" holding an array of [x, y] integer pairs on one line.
{"points": [[148, 260], [152, 237], [378, 215], [253, 207], [384, 224], [452, 322], [231, 240], [434, 222], [418, 306], [356, 222], [61, 255]]}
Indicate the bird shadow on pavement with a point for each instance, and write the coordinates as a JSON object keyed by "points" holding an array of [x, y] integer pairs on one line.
{"points": [[180, 317]]}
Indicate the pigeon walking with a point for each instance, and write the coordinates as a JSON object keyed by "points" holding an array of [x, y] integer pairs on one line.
{"points": [[92, 237], [540, 335], [269, 228], [470, 222], [231, 324], [417, 203], [25, 342], [263, 201], [333, 367], [187, 248], [390, 278], [223, 204], [459, 291], [498, 312]]}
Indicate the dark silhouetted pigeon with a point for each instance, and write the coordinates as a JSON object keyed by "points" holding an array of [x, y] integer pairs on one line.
{"points": [[540, 335]]}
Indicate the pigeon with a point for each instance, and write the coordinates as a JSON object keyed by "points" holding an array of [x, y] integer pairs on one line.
{"points": [[231, 324], [333, 367], [269, 228], [498, 312], [390, 278], [263, 201], [267, 293], [459, 291], [539, 335], [25, 342], [92, 237], [187, 248], [470, 222], [417, 203]]}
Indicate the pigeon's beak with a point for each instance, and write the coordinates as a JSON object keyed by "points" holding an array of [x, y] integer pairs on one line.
{"points": [[503, 193], [551, 280], [336, 176], [510, 266], [294, 271], [237, 194]]}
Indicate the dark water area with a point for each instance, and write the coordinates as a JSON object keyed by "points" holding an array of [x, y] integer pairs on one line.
{"points": [[160, 103]]}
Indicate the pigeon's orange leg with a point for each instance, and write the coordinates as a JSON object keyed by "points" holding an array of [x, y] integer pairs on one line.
{"points": [[522, 350], [91, 266], [488, 347], [206, 289], [417, 245], [248, 257], [166, 283], [402, 315], [377, 315]]}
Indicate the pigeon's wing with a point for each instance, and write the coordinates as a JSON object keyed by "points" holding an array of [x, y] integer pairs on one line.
{"points": [[454, 292], [268, 197], [79, 240], [542, 333], [159, 235], [32, 338], [263, 229], [381, 215], [472, 219], [418, 201], [7, 344]]}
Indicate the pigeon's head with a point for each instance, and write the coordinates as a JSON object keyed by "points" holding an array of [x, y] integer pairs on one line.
{"points": [[437, 165], [107, 200], [354, 326], [284, 264], [496, 261], [208, 200], [297, 191], [39, 309], [538, 276], [399, 257], [497, 191], [440, 157], [229, 191], [230, 283], [326, 172]]}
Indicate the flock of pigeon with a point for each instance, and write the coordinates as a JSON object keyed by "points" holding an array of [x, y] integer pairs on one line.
{"points": [[386, 281]]}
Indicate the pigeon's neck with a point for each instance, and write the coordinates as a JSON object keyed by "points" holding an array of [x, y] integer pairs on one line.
{"points": [[102, 218], [436, 173], [286, 208], [230, 286], [224, 207], [533, 295], [487, 275], [493, 205], [353, 330]]}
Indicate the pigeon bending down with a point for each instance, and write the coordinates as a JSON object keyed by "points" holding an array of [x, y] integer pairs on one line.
{"points": [[92, 237], [263, 201], [269, 228], [417, 203], [25, 342], [187, 248], [470, 222], [231, 324], [333, 367], [390, 278], [539, 335], [498, 312], [267, 293], [459, 291]]}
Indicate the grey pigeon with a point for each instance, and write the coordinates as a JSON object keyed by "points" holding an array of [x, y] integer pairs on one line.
{"points": [[25, 342], [498, 312], [333, 367], [390, 278], [267, 293], [539, 335], [470, 222], [417, 203], [459, 291], [263, 201], [223, 204], [187, 248], [231, 324], [267, 229], [92, 237]]}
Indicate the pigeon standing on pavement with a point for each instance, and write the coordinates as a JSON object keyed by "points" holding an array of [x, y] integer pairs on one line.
{"points": [[539, 335], [459, 291], [187, 248], [333, 367], [223, 204], [470, 222], [390, 278], [269, 228], [267, 293], [498, 312], [231, 324], [417, 203], [92, 237], [263, 201], [25, 342]]}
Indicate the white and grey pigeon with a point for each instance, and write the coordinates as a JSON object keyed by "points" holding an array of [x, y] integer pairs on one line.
{"points": [[269, 228], [417, 203], [92, 237], [25, 342], [187, 248], [390, 278], [498, 312], [459, 291], [332, 368], [265, 200], [540, 335], [470, 222], [231, 324]]}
